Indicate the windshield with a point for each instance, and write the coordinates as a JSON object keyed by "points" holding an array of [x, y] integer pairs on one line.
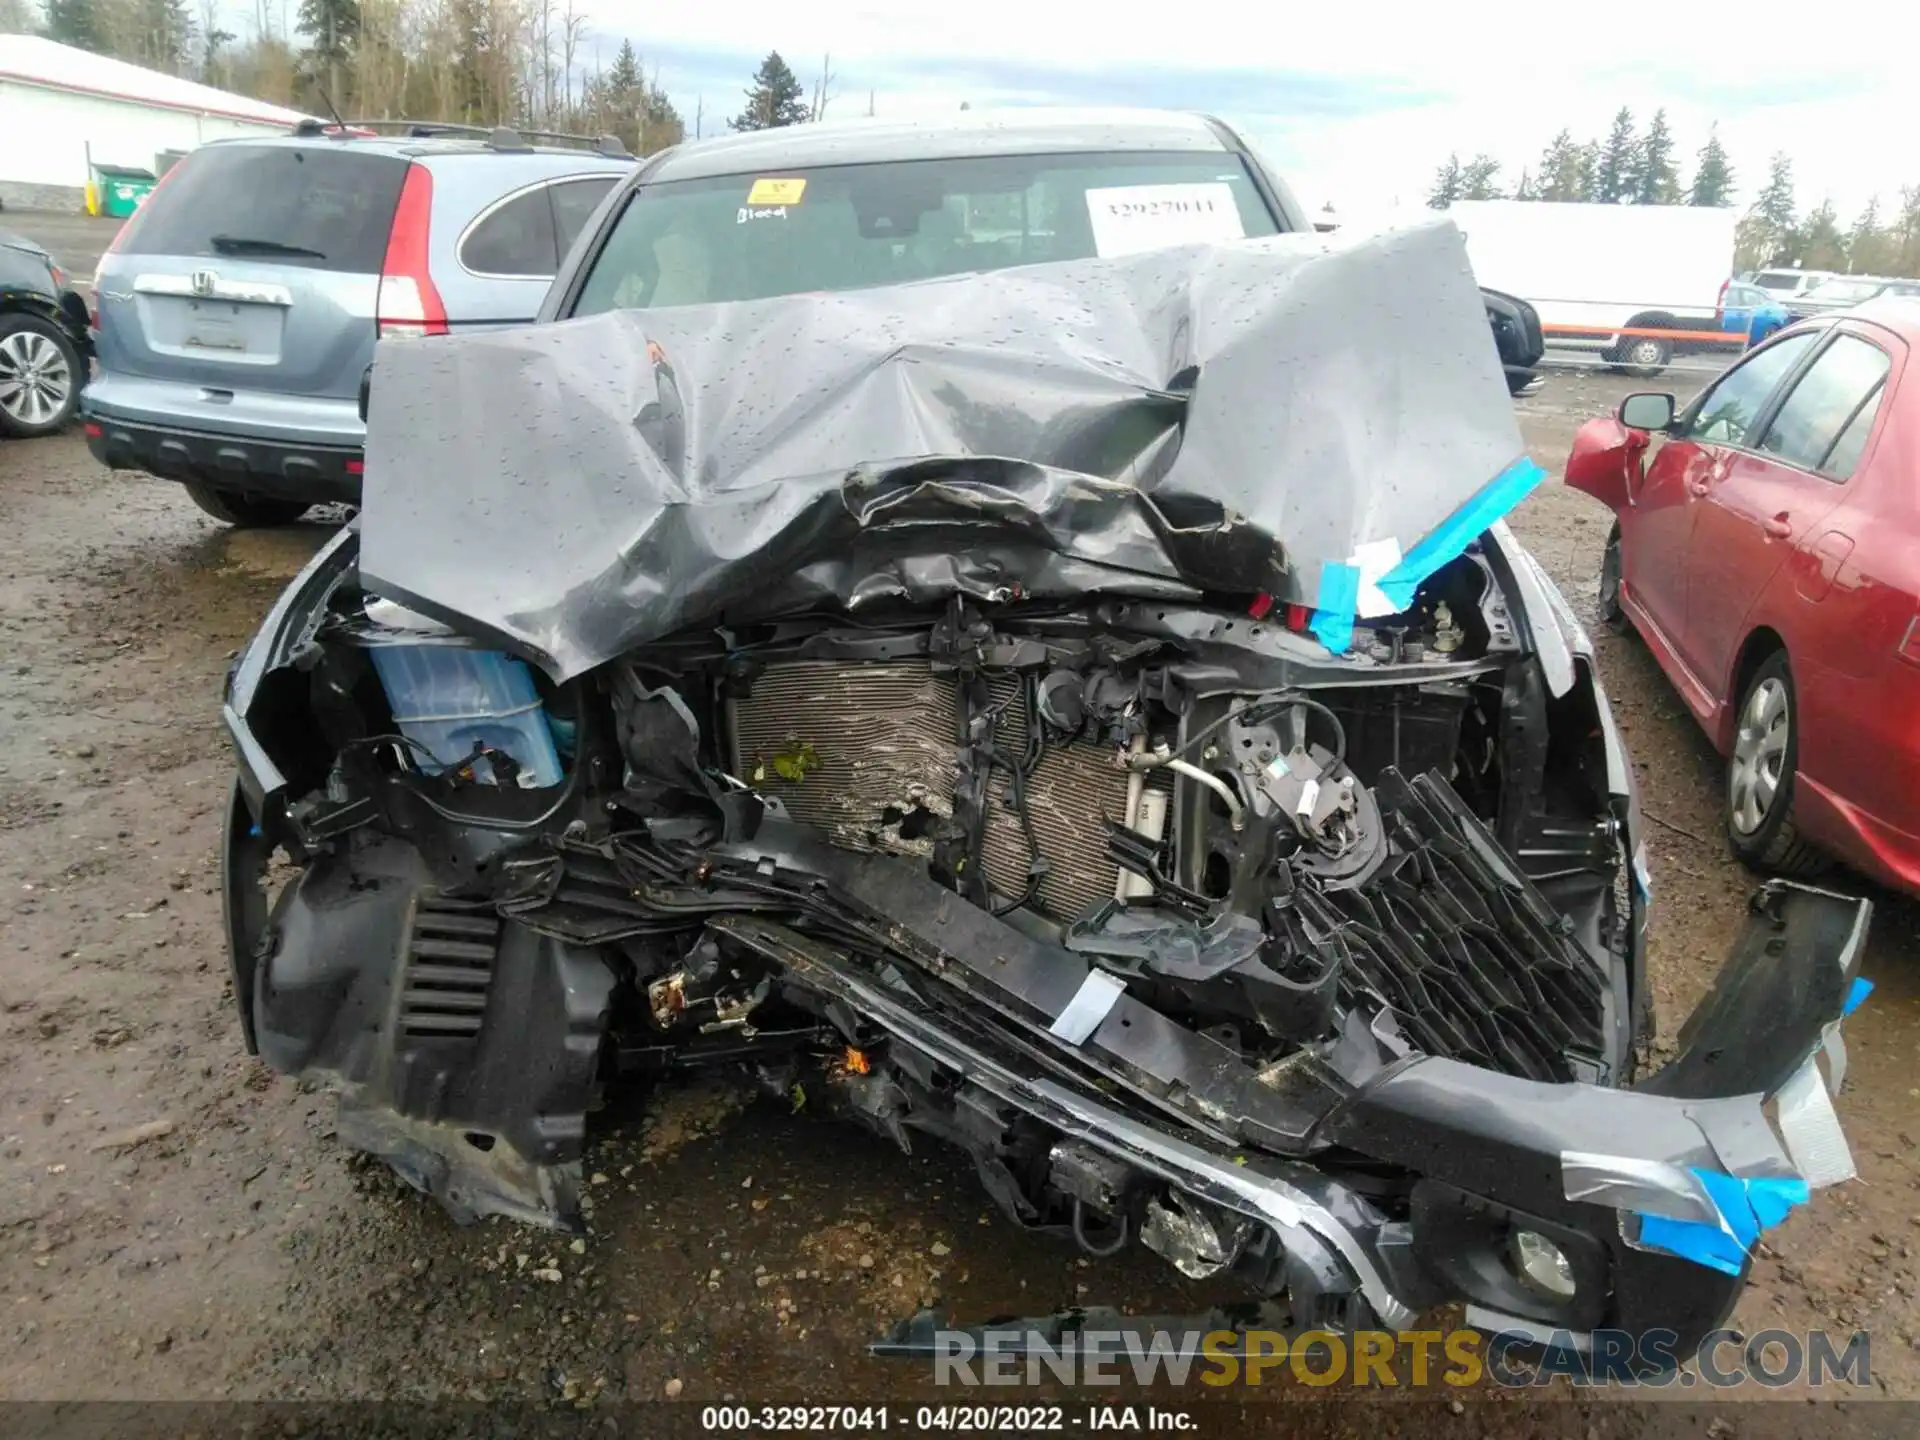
{"points": [[847, 227], [1846, 292]]}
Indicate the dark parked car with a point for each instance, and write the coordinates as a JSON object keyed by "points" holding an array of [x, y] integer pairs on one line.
{"points": [[1843, 292], [43, 341], [931, 628], [1517, 336]]}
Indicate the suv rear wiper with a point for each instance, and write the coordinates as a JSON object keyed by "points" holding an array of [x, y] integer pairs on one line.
{"points": [[248, 245]]}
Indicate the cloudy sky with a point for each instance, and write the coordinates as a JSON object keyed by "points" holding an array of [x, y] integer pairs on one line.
{"points": [[1357, 103]]}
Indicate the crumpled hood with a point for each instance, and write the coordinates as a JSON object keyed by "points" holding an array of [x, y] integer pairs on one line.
{"points": [[1221, 418]]}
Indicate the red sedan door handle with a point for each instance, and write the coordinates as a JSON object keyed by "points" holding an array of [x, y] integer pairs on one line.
{"points": [[1778, 527]]}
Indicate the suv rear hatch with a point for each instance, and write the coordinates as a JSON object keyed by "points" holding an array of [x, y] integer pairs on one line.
{"points": [[242, 296]]}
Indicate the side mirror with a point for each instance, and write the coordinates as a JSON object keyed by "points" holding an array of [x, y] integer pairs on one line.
{"points": [[366, 386], [1647, 412]]}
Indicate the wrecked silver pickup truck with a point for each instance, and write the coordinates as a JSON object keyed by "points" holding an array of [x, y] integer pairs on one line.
{"points": [[1091, 714]]}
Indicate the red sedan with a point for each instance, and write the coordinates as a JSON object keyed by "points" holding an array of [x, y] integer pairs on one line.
{"points": [[1768, 551]]}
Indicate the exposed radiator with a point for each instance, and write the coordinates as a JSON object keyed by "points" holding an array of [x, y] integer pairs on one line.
{"points": [[867, 752]]}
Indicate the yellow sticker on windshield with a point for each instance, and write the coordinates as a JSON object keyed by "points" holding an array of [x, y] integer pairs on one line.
{"points": [[770, 191]]}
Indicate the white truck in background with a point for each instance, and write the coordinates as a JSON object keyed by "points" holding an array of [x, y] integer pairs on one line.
{"points": [[1637, 283]]}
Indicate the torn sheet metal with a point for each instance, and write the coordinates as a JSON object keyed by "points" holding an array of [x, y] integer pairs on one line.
{"points": [[1227, 418]]}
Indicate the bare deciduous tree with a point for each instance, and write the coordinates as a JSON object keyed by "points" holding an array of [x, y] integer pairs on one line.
{"points": [[822, 90]]}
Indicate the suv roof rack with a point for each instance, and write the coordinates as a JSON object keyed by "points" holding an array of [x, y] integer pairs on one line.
{"points": [[496, 137]]}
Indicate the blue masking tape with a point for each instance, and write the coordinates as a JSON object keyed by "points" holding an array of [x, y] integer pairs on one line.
{"points": [[1339, 594], [1693, 1240], [1457, 531], [1773, 1198], [1857, 994], [1748, 1208]]}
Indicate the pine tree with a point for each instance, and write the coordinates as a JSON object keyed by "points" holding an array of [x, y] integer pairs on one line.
{"points": [[1446, 184], [1525, 190], [333, 26], [1712, 175], [625, 77], [663, 125], [1656, 181], [1870, 249], [1618, 163], [1480, 179], [1767, 235], [1821, 245], [77, 22], [1905, 233], [777, 97], [1562, 171], [1587, 160]]}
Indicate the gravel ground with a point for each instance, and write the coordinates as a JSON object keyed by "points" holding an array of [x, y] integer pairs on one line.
{"points": [[176, 1222]]}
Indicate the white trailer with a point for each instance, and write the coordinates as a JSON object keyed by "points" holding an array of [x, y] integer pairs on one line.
{"points": [[1637, 282]]}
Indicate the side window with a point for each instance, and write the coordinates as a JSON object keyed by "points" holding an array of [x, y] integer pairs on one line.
{"points": [[1834, 401], [1845, 453], [1726, 412], [515, 239], [573, 206]]}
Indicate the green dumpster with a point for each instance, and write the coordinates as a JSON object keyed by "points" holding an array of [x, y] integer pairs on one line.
{"points": [[121, 188]]}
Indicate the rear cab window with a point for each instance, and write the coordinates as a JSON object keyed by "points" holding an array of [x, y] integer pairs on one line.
{"points": [[748, 237], [1824, 422], [316, 207]]}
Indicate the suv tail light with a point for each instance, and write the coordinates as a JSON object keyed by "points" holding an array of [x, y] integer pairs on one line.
{"points": [[1720, 303], [409, 304]]}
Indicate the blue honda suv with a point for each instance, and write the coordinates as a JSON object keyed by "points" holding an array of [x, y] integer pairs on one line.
{"points": [[237, 310]]}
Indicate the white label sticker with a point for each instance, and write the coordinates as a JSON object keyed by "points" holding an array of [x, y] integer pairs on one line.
{"points": [[1374, 560], [1130, 218]]}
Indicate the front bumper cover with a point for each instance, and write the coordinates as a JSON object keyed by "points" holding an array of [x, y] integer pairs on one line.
{"points": [[497, 1124]]}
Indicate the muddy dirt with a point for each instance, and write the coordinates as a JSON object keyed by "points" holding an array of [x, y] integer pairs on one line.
{"points": [[177, 1222]]}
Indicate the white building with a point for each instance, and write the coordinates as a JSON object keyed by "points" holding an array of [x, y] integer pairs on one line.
{"points": [[61, 108]]}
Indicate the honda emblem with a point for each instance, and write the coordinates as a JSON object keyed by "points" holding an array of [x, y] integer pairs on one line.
{"points": [[204, 282]]}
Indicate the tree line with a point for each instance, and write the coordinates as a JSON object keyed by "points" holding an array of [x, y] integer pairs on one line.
{"points": [[1629, 166], [533, 63], [528, 63]]}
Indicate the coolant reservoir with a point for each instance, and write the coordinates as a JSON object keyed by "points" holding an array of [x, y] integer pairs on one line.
{"points": [[448, 699]]}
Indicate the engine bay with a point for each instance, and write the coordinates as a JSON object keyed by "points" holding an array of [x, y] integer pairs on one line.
{"points": [[1278, 850]]}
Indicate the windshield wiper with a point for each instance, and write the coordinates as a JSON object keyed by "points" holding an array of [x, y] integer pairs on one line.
{"points": [[249, 245]]}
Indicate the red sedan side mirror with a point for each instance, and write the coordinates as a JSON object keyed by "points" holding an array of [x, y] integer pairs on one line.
{"points": [[1605, 461]]}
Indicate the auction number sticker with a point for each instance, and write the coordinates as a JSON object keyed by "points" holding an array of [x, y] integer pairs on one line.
{"points": [[1127, 219], [776, 190]]}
